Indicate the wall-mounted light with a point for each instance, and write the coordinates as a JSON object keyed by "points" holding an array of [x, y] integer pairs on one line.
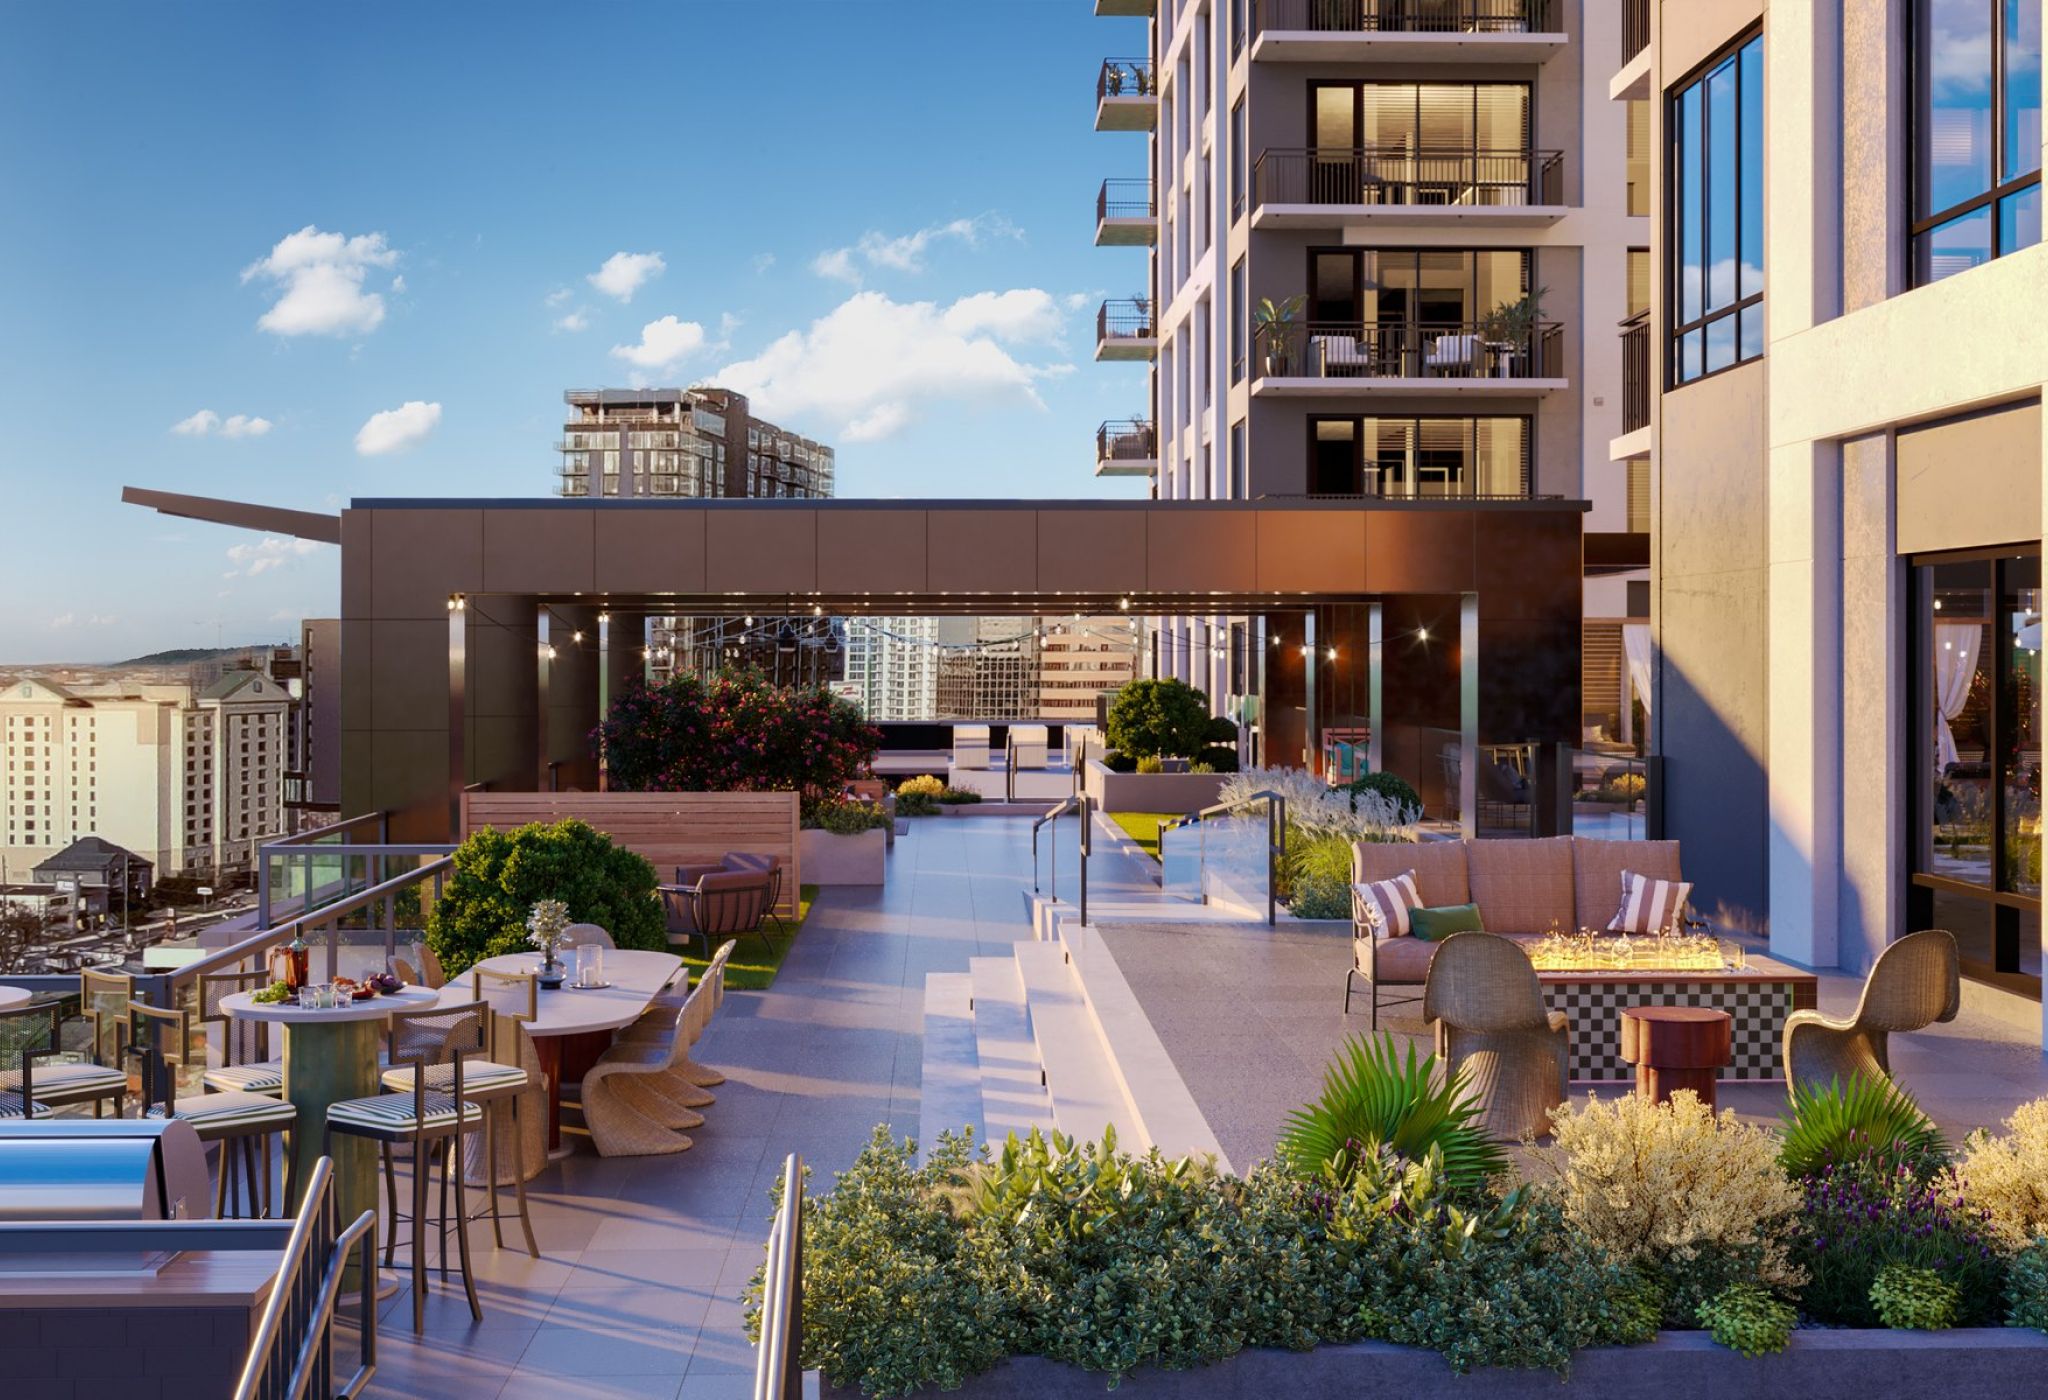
{"points": [[604, 617]]}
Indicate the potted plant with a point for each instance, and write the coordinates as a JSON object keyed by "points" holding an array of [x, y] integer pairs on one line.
{"points": [[844, 841], [1510, 330], [1273, 322]]}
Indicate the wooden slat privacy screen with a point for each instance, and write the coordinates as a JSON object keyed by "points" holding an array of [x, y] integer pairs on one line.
{"points": [[668, 828]]}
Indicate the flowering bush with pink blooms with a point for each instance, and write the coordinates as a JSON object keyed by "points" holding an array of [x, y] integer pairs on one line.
{"points": [[734, 732]]}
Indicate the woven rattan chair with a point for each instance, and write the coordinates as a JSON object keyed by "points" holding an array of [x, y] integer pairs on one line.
{"points": [[1914, 983], [430, 1049], [246, 1063], [244, 1124], [689, 1083], [1485, 1004]]}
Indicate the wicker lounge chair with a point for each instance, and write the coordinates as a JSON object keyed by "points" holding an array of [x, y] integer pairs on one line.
{"points": [[1486, 1006], [1914, 983]]}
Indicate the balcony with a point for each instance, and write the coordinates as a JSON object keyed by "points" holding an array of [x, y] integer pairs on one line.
{"points": [[1635, 372], [1330, 359], [1126, 98], [1125, 216], [1406, 31], [1123, 9], [1320, 187], [1632, 81], [1126, 330], [1126, 448]]}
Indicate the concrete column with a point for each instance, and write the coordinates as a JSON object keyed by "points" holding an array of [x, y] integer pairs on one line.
{"points": [[458, 721], [1376, 686], [1874, 767], [1311, 671], [1803, 175], [1468, 715], [1804, 746]]}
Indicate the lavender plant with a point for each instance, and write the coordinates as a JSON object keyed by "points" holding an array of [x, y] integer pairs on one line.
{"points": [[1857, 1223]]}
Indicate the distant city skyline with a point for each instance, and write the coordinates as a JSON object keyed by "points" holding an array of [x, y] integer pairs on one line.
{"points": [[298, 258]]}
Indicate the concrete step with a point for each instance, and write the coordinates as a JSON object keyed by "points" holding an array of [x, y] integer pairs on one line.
{"points": [[1080, 1078], [950, 1094], [1013, 1097]]}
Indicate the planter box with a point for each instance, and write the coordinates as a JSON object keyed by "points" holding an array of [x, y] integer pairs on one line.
{"points": [[1184, 793], [1986, 1363], [829, 859]]}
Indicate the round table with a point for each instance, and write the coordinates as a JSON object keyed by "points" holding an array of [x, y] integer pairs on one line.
{"points": [[331, 1055], [573, 1025], [14, 996], [1676, 1047]]}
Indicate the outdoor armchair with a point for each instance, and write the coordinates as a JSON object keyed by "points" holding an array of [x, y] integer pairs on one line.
{"points": [[718, 904], [1486, 1006], [1914, 983]]}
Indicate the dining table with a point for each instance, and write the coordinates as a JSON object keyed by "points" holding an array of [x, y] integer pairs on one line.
{"points": [[574, 1025], [14, 996]]}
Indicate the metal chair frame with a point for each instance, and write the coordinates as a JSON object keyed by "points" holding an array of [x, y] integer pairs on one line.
{"points": [[147, 1025]]}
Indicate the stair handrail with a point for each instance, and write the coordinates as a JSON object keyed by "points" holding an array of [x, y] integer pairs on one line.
{"points": [[1079, 804], [778, 1363], [292, 1353], [1276, 841]]}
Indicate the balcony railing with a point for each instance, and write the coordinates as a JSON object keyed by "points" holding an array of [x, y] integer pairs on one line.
{"points": [[1130, 440], [1406, 16], [1125, 199], [1125, 320], [1635, 372], [1635, 28], [1395, 175], [1400, 350], [1125, 77]]}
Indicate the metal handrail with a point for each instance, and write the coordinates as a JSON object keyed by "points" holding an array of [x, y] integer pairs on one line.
{"points": [[296, 1330], [778, 1364], [1079, 804], [1276, 841], [1114, 200], [1367, 350], [1117, 74], [1394, 174], [1383, 17], [306, 838]]}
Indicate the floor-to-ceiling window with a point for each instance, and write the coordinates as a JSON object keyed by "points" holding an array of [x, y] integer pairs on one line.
{"points": [[1976, 133], [1409, 457], [1418, 143], [1716, 165], [1975, 827]]}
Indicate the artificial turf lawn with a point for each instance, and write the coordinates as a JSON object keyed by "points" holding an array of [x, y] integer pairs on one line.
{"points": [[1143, 828], [754, 963]]}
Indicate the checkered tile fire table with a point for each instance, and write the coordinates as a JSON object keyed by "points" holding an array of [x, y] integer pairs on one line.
{"points": [[1758, 997]]}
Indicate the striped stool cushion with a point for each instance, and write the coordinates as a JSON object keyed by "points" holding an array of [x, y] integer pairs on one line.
{"points": [[10, 1107], [477, 1077], [260, 1077], [231, 1109], [70, 1078], [392, 1113]]}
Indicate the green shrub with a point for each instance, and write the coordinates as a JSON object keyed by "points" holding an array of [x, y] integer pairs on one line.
{"points": [[1149, 718], [1748, 1319], [924, 784], [2026, 1288], [1856, 1224], [1871, 1125], [959, 797], [1388, 785], [847, 816], [1119, 763], [1320, 896], [1373, 1100], [1151, 763], [916, 804], [1918, 1299], [1222, 733], [1218, 759], [500, 874]]}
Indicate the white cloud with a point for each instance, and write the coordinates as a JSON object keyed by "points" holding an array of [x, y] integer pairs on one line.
{"points": [[1024, 313], [763, 261], [625, 273], [869, 364], [577, 320], [320, 279], [206, 421], [906, 252], [1075, 301], [270, 552], [556, 297], [396, 429], [65, 621], [662, 343]]}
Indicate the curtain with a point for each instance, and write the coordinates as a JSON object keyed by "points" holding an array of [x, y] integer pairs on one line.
{"points": [[1635, 641], [1955, 662]]}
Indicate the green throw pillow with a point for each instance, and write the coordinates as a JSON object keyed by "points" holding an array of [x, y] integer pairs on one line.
{"points": [[1432, 925]]}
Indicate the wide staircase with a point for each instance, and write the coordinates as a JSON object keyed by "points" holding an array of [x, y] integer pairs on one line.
{"points": [[1051, 1037]]}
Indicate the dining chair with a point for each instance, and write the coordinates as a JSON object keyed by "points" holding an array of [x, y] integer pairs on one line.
{"points": [[428, 1054], [243, 1123], [103, 999], [245, 1059], [626, 1112], [1915, 982], [62, 1077]]}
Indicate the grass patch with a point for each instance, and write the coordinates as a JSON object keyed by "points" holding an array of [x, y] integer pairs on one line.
{"points": [[753, 964], [1143, 828]]}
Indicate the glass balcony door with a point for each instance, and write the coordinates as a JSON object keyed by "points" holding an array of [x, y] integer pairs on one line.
{"points": [[1422, 143]]}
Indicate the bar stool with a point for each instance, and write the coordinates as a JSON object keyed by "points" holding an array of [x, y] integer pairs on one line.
{"points": [[246, 1063], [243, 1123], [62, 1077], [426, 1046]]}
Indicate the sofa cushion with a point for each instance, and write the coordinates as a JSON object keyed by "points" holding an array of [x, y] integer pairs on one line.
{"points": [[1435, 925], [1439, 867], [1521, 886], [1404, 960], [1596, 873], [1649, 905], [1383, 905]]}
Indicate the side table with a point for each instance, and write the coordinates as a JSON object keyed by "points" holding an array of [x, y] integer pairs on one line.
{"points": [[1676, 1047]]}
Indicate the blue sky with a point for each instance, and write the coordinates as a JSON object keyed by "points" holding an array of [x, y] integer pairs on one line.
{"points": [[875, 215]]}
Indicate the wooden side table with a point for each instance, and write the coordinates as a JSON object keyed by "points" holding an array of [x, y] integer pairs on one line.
{"points": [[1676, 1047]]}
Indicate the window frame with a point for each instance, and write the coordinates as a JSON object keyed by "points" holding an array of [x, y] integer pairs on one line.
{"points": [[1471, 419], [1731, 53], [1916, 131]]}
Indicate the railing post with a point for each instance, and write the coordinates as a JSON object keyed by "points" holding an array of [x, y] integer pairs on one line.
{"points": [[1086, 826]]}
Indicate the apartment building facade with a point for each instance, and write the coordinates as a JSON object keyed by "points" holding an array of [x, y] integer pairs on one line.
{"points": [[1842, 375], [1387, 246], [191, 778], [1081, 658], [892, 666]]}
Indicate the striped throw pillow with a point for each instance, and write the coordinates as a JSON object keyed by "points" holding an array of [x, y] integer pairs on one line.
{"points": [[1385, 903], [1649, 905]]}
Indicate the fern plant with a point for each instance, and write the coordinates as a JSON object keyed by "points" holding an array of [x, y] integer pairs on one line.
{"points": [[1871, 1125], [1373, 1100]]}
